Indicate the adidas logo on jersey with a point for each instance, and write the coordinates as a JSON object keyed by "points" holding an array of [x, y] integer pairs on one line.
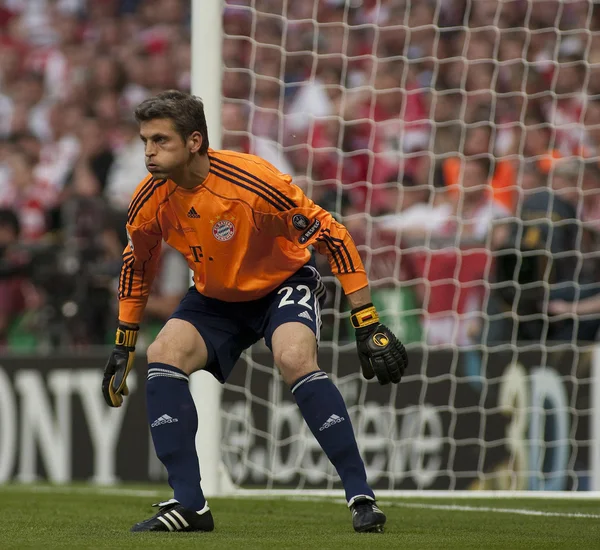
{"points": [[192, 213], [305, 315], [333, 419], [164, 419]]}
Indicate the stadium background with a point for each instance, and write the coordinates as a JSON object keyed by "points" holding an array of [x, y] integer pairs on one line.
{"points": [[459, 142]]}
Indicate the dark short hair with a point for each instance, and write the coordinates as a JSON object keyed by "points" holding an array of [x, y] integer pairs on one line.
{"points": [[185, 110]]}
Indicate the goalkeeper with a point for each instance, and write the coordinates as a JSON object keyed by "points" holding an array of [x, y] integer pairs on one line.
{"points": [[245, 231]]}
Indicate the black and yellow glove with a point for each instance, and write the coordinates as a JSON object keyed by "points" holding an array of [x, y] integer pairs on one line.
{"points": [[381, 354], [120, 362]]}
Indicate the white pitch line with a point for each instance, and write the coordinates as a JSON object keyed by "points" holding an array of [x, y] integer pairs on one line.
{"points": [[518, 511], [106, 491], [151, 493], [425, 494]]}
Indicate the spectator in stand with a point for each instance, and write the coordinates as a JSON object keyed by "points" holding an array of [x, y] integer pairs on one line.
{"points": [[444, 240], [530, 178], [29, 93], [593, 66], [544, 247], [586, 310], [27, 195], [236, 136], [29, 143], [479, 141], [127, 168], [106, 75], [488, 12], [59, 153], [16, 294], [565, 107], [397, 204], [464, 211], [446, 105], [90, 173], [538, 142], [337, 93], [268, 101], [382, 128]]}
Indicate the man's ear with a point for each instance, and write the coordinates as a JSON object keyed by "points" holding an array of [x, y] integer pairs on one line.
{"points": [[194, 142]]}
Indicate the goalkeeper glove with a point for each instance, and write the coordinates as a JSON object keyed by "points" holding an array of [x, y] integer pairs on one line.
{"points": [[120, 362], [381, 354]]}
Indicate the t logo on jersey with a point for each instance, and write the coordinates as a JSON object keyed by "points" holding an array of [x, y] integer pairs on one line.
{"points": [[197, 253]]}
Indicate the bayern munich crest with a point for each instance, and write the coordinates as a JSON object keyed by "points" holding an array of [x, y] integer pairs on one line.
{"points": [[223, 230]]}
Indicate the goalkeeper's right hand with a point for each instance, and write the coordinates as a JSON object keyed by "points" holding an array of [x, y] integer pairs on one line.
{"points": [[120, 362]]}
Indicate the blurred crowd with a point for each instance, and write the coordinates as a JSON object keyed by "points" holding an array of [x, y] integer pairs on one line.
{"points": [[458, 140]]}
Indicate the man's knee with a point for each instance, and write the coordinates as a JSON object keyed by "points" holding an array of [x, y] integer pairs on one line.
{"points": [[295, 360], [159, 351], [179, 346]]}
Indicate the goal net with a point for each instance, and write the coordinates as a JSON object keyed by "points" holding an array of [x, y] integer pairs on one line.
{"points": [[458, 142]]}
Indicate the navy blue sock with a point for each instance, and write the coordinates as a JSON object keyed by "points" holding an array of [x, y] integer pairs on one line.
{"points": [[324, 410], [173, 423]]}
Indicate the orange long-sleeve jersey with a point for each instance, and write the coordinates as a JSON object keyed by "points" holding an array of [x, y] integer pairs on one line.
{"points": [[243, 232]]}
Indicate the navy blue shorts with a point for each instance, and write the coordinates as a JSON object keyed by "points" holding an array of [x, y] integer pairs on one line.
{"points": [[228, 328]]}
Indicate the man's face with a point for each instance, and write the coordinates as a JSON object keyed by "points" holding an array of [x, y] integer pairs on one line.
{"points": [[474, 176], [477, 141], [165, 150], [536, 139]]}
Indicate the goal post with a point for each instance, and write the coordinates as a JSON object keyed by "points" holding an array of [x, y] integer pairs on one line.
{"points": [[207, 38]]}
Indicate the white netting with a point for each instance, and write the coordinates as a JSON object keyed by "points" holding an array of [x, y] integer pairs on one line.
{"points": [[458, 141]]}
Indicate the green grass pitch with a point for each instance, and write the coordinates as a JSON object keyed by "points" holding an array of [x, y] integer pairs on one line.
{"points": [[45, 517]]}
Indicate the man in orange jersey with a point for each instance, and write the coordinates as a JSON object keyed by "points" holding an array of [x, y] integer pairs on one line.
{"points": [[244, 230]]}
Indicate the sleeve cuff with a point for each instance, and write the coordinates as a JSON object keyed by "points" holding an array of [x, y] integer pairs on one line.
{"points": [[351, 282], [131, 312]]}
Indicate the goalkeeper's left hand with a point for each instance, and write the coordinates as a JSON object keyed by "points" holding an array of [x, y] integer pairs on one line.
{"points": [[381, 354], [120, 362]]}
